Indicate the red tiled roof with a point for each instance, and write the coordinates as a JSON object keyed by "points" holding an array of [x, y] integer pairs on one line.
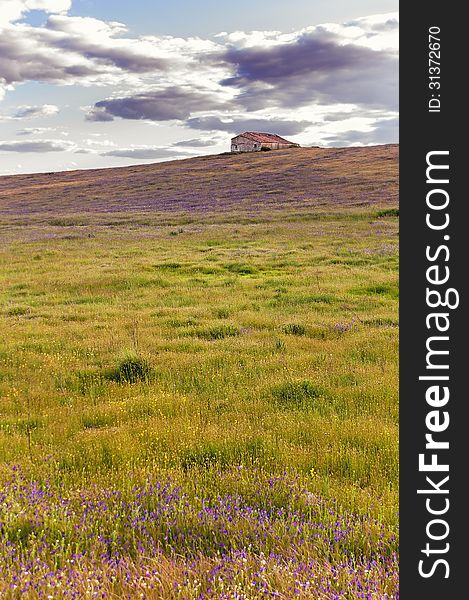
{"points": [[264, 138]]}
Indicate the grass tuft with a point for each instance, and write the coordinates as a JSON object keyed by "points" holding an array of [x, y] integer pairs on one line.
{"points": [[17, 311], [130, 369], [388, 212], [297, 394], [294, 329]]}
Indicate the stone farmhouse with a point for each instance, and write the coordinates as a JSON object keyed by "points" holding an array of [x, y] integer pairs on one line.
{"points": [[251, 141]]}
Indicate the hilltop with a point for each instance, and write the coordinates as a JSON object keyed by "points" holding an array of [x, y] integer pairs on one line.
{"points": [[243, 184]]}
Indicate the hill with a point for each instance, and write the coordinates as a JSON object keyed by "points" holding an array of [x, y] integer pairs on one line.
{"points": [[242, 185], [199, 378]]}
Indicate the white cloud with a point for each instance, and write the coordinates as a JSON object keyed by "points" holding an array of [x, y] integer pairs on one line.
{"points": [[34, 130], [96, 142], [378, 32], [69, 49], [243, 39], [28, 112]]}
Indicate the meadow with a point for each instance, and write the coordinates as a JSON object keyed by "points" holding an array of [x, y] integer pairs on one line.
{"points": [[199, 379]]}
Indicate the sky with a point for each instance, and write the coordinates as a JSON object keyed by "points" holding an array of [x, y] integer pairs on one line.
{"points": [[104, 83]]}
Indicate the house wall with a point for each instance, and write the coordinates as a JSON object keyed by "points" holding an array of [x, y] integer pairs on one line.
{"points": [[278, 146], [242, 144]]}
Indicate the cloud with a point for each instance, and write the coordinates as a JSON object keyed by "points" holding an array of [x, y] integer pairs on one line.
{"points": [[196, 143], [347, 63], [70, 49], [99, 115], [338, 116], [33, 130], [237, 125], [317, 66], [94, 146], [376, 23], [173, 103], [96, 39], [39, 146], [28, 112], [85, 151], [146, 153], [383, 131]]}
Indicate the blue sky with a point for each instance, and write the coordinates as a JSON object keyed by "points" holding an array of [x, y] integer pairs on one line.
{"points": [[208, 17], [99, 83]]}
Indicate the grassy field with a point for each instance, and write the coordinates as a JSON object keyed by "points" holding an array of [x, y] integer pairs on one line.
{"points": [[198, 379]]}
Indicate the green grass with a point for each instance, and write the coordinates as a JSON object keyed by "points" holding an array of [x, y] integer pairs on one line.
{"points": [[388, 212], [173, 352], [297, 394]]}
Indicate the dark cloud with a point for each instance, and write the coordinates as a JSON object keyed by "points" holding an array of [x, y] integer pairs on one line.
{"points": [[31, 58], [72, 48], [123, 55], [313, 68], [45, 146], [278, 126], [173, 103], [145, 153], [310, 53], [385, 131], [196, 143]]}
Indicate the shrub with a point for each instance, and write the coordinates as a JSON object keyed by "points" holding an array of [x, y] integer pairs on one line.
{"points": [[17, 311], [294, 329], [131, 369]]}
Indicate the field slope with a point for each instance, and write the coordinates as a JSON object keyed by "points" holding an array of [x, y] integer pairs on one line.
{"points": [[198, 378]]}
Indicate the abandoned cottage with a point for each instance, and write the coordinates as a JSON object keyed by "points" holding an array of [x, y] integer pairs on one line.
{"points": [[251, 141]]}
